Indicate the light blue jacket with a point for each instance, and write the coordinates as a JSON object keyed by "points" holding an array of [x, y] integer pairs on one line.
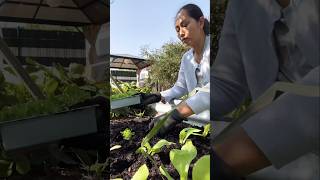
{"points": [[246, 66]]}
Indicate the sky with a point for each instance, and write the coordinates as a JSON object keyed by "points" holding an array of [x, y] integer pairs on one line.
{"points": [[145, 23]]}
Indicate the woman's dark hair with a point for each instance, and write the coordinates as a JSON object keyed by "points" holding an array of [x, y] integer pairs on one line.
{"points": [[195, 12]]}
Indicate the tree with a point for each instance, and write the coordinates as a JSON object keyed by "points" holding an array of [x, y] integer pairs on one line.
{"points": [[165, 64]]}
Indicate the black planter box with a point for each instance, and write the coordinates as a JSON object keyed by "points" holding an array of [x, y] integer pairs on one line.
{"points": [[30, 132]]}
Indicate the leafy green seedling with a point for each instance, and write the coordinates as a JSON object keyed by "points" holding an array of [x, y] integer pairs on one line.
{"points": [[127, 134], [97, 168], [140, 114], [148, 151], [158, 146], [186, 132], [155, 149], [142, 173], [181, 159], [206, 130], [201, 169]]}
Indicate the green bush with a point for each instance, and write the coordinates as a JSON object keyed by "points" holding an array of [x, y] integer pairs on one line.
{"points": [[165, 64]]}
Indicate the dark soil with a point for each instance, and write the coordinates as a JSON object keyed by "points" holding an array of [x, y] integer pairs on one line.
{"points": [[124, 162]]}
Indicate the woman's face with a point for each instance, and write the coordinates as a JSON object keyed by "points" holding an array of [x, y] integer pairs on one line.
{"points": [[187, 28]]}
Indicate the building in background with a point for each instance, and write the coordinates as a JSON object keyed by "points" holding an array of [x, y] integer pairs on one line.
{"points": [[128, 68], [48, 44]]}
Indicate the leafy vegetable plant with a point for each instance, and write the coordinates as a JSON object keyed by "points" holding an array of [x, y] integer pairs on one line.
{"points": [[71, 95], [186, 132], [149, 151], [62, 88], [201, 169], [181, 159], [127, 134]]}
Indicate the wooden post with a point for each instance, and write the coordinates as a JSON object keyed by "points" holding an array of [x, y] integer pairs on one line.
{"points": [[17, 67]]}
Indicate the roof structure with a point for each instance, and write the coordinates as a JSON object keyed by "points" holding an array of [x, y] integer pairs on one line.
{"points": [[128, 62], [57, 12]]}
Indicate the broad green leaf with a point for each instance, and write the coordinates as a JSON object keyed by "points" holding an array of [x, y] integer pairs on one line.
{"points": [[186, 132], [181, 159], [157, 147], [76, 69], [23, 165], [201, 169], [142, 173], [117, 179], [115, 147], [62, 72], [5, 168], [50, 86], [206, 130], [164, 172]]}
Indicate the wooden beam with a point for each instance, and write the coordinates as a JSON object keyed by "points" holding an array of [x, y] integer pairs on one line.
{"points": [[20, 71]]}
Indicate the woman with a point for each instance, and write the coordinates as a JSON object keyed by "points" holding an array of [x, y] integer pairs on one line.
{"points": [[193, 30]]}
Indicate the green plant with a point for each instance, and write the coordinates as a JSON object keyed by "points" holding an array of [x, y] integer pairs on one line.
{"points": [[148, 151], [53, 104], [129, 89], [186, 132], [139, 114], [165, 63], [142, 173], [156, 148], [123, 95], [127, 134], [62, 88], [96, 168], [10, 163], [201, 169], [181, 159]]}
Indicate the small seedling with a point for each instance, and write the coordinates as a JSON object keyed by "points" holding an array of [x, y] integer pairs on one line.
{"points": [[181, 159], [186, 132], [140, 114], [127, 134]]}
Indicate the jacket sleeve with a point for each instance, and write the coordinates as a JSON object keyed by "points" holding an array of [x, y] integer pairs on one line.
{"points": [[229, 86], [179, 89], [200, 101], [289, 127]]}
